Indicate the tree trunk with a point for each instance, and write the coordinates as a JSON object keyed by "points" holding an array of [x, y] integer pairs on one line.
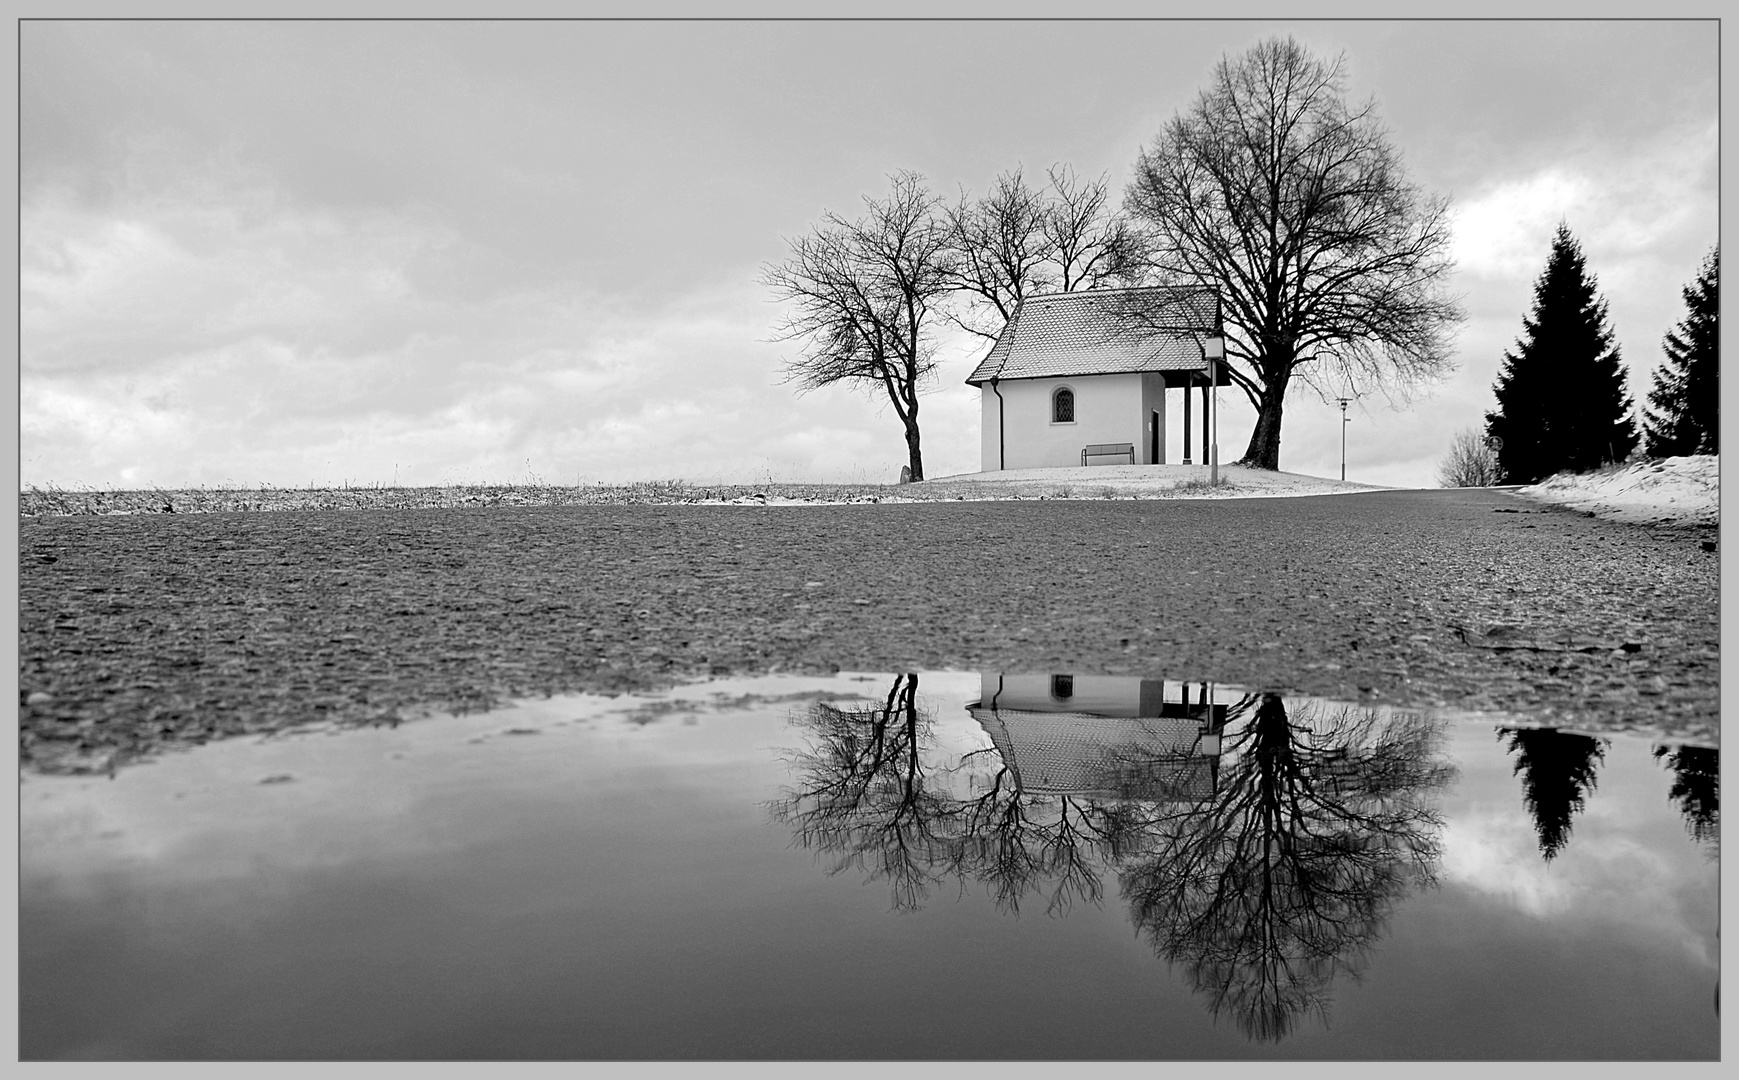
{"points": [[916, 455], [1264, 449]]}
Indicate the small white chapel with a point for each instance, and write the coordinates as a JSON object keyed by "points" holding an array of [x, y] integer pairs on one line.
{"points": [[1080, 378]]}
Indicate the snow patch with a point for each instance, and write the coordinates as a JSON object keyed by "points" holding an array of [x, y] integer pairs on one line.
{"points": [[1668, 491]]}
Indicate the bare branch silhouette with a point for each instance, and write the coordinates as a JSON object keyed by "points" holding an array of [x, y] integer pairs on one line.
{"points": [[1279, 882]]}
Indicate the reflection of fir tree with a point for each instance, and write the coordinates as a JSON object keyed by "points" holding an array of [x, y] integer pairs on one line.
{"points": [[1696, 789], [1557, 773]]}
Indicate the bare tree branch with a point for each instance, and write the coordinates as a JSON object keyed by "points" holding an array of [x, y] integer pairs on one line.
{"points": [[1016, 242], [1331, 265], [864, 294]]}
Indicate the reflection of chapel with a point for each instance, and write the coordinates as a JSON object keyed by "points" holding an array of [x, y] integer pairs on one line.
{"points": [[1081, 378], [1103, 736]]}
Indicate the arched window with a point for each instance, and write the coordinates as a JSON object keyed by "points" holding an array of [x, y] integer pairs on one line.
{"points": [[1063, 406]]}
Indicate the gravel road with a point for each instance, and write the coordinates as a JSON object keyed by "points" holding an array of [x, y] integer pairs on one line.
{"points": [[141, 631]]}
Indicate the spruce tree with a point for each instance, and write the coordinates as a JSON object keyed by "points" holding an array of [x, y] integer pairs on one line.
{"points": [[1562, 403], [1683, 415]]}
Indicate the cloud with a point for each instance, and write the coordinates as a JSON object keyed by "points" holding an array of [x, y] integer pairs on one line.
{"points": [[1621, 203], [243, 339], [283, 253]]}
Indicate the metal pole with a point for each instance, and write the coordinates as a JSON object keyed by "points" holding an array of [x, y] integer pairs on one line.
{"points": [[1214, 427], [1343, 438]]}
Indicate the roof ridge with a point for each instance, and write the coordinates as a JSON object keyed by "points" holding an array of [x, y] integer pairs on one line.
{"points": [[1120, 289]]}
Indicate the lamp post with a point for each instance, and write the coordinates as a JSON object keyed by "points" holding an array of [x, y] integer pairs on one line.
{"points": [[1344, 421], [1214, 352]]}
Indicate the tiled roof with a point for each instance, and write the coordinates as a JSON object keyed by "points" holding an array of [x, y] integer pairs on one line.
{"points": [[1127, 758], [1101, 331]]}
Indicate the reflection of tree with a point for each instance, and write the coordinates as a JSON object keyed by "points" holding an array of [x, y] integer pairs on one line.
{"points": [[865, 799], [1281, 879], [1696, 789], [1266, 885], [1557, 770], [1014, 844], [869, 796]]}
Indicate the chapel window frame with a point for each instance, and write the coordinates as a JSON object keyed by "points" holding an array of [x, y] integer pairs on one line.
{"points": [[1063, 405]]}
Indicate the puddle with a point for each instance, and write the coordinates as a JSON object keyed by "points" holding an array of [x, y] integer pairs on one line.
{"points": [[930, 866]]}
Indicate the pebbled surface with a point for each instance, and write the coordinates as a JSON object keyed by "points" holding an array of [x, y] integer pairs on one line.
{"points": [[137, 632]]}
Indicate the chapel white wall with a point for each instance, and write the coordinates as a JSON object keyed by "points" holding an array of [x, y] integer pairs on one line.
{"points": [[1108, 409]]}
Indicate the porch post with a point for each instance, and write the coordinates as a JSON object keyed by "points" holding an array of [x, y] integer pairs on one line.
{"points": [[1205, 419], [1186, 418]]}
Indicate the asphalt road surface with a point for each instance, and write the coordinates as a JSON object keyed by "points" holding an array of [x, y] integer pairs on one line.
{"points": [[141, 631]]}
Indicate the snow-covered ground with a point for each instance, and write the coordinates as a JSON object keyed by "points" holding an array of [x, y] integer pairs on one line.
{"points": [[1671, 491], [1139, 481], [1676, 491]]}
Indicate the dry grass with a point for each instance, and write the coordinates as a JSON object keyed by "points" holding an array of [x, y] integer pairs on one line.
{"points": [[1198, 487], [55, 501], [52, 500]]}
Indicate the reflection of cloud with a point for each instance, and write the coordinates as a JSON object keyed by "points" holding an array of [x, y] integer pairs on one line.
{"points": [[1496, 857], [1496, 853]]}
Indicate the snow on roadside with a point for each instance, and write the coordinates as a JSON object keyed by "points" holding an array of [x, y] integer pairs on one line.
{"points": [[1669, 491], [1137, 482]]}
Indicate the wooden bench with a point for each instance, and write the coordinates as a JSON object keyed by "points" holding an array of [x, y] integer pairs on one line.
{"points": [[1108, 449]]}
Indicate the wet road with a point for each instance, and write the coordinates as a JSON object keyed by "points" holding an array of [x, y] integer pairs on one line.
{"points": [[134, 631]]}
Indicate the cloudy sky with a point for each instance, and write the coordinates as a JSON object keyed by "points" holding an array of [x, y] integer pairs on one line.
{"points": [[293, 253]]}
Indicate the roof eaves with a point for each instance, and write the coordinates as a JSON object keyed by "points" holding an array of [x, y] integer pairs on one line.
{"points": [[997, 358]]}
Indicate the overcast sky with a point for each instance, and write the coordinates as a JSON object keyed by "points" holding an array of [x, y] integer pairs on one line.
{"points": [[293, 253]]}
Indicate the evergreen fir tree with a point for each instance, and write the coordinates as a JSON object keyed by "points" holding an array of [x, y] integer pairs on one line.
{"points": [[1562, 404], [1683, 415]]}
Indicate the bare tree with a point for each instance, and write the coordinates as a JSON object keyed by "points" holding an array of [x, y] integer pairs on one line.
{"points": [[1001, 252], [1330, 264], [1017, 241], [1471, 462], [1092, 243], [865, 293]]}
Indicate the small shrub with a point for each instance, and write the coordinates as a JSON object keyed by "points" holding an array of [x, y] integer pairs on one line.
{"points": [[1469, 463], [1198, 487]]}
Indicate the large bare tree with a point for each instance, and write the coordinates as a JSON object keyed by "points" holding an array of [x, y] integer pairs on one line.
{"points": [[1015, 241], [1330, 263], [865, 293]]}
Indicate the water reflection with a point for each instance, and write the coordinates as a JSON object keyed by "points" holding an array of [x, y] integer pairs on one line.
{"points": [[865, 797], [1258, 847], [1280, 879], [605, 889], [1558, 772], [1696, 790]]}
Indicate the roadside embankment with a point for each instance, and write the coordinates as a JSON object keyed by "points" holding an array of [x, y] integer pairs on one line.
{"points": [[1667, 491]]}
